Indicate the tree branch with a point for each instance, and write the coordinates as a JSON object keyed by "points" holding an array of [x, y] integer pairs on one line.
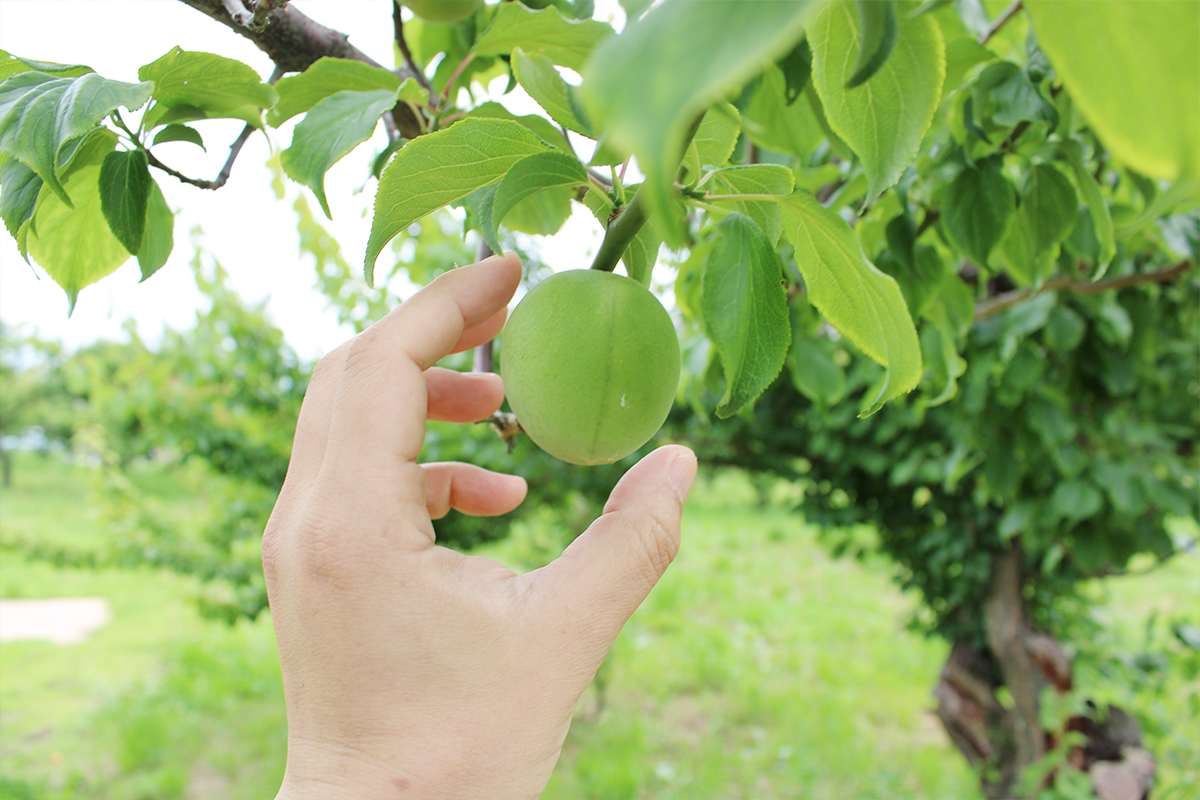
{"points": [[294, 41], [996, 304], [234, 149], [999, 22], [402, 43]]}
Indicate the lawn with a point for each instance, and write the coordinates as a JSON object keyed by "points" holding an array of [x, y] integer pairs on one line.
{"points": [[759, 668]]}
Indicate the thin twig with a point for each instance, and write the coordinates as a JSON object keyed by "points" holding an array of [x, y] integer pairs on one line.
{"points": [[234, 149], [999, 22], [996, 304], [454, 76], [398, 26]]}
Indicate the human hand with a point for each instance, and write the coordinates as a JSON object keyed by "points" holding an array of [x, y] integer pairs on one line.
{"points": [[411, 670]]}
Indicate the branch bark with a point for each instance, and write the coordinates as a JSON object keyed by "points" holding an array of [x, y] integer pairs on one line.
{"points": [[294, 41], [995, 305], [1006, 626]]}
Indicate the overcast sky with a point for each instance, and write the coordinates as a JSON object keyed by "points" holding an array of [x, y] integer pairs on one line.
{"points": [[245, 227]]}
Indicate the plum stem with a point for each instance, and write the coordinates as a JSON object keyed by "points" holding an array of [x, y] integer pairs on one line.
{"points": [[631, 218]]}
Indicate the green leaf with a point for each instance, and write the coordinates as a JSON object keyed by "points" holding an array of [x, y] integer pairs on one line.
{"points": [[774, 124], [566, 42], [884, 119], [759, 179], [714, 140], [864, 304], [796, 68], [540, 126], [19, 187], [877, 22], [977, 208], [646, 87], [1017, 100], [1044, 220], [75, 245], [204, 86], [745, 311], [1022, 517], [641, 254], [815, 372], [327, 76], [179, 133], [531, 175], [538, 77], [1064, 329], [159, 238], [1133, 70], [124, 191], [541, 214], [1097, 208], [439, 168], [41, 115], [329, 131], [1076, 499], [11, 64]]}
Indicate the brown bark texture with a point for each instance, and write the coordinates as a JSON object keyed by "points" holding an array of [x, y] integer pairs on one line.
{"points": [[294, 41], [1002, 740]]}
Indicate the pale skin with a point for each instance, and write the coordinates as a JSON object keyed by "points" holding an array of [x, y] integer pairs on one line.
{"points": [[411, 670]]}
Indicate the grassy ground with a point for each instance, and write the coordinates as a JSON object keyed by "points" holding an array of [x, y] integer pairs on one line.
{"points": [[758, 668]]}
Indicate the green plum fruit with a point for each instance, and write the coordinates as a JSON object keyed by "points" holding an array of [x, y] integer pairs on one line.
{"points": [[590, 362]]}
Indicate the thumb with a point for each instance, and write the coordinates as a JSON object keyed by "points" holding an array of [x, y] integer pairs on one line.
{"points": [[606, 573]]}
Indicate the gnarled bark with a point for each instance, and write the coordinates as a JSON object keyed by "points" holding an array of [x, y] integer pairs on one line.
{"points": [[294, 41]]}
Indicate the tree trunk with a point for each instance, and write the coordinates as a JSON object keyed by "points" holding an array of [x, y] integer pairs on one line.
{"points": [[1002, 740]]}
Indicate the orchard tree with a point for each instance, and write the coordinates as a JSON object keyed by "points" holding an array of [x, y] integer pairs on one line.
{"points": [[991, 204]]}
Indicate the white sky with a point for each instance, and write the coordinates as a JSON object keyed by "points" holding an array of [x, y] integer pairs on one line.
{"points": [[246, 228]]}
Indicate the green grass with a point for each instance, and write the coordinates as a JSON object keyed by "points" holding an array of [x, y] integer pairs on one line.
{"points": [[758, 668]]}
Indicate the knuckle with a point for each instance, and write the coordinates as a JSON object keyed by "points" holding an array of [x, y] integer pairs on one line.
{"points": [[660, 542]]}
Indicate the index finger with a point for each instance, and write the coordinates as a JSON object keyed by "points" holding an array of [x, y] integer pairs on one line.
{"points": [[378, 417]]}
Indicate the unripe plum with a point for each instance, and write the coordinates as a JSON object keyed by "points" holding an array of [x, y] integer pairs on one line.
{"points": [[590, 362]]}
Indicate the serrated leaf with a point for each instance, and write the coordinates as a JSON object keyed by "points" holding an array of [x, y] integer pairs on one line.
{"points": [[41, 114], [159, 238], [1043, 221], [884, 119], [540, 126], [537, 76], [330, 130], [124, 192], [864, 304], [439, 168], [745, 311], [533, 174], [877, 27], [541, 214], [977, 208], [205, 86], [75, 245], [566, 42], [179, 133], [19, 187], [641, 254], [755, 179], [1097, 208], [714, 140], [328, 76], [695, 54], [939, 348], [1148, 50]]}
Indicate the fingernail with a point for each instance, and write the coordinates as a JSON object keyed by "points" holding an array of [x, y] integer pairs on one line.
{"points": [[682, 473]]}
